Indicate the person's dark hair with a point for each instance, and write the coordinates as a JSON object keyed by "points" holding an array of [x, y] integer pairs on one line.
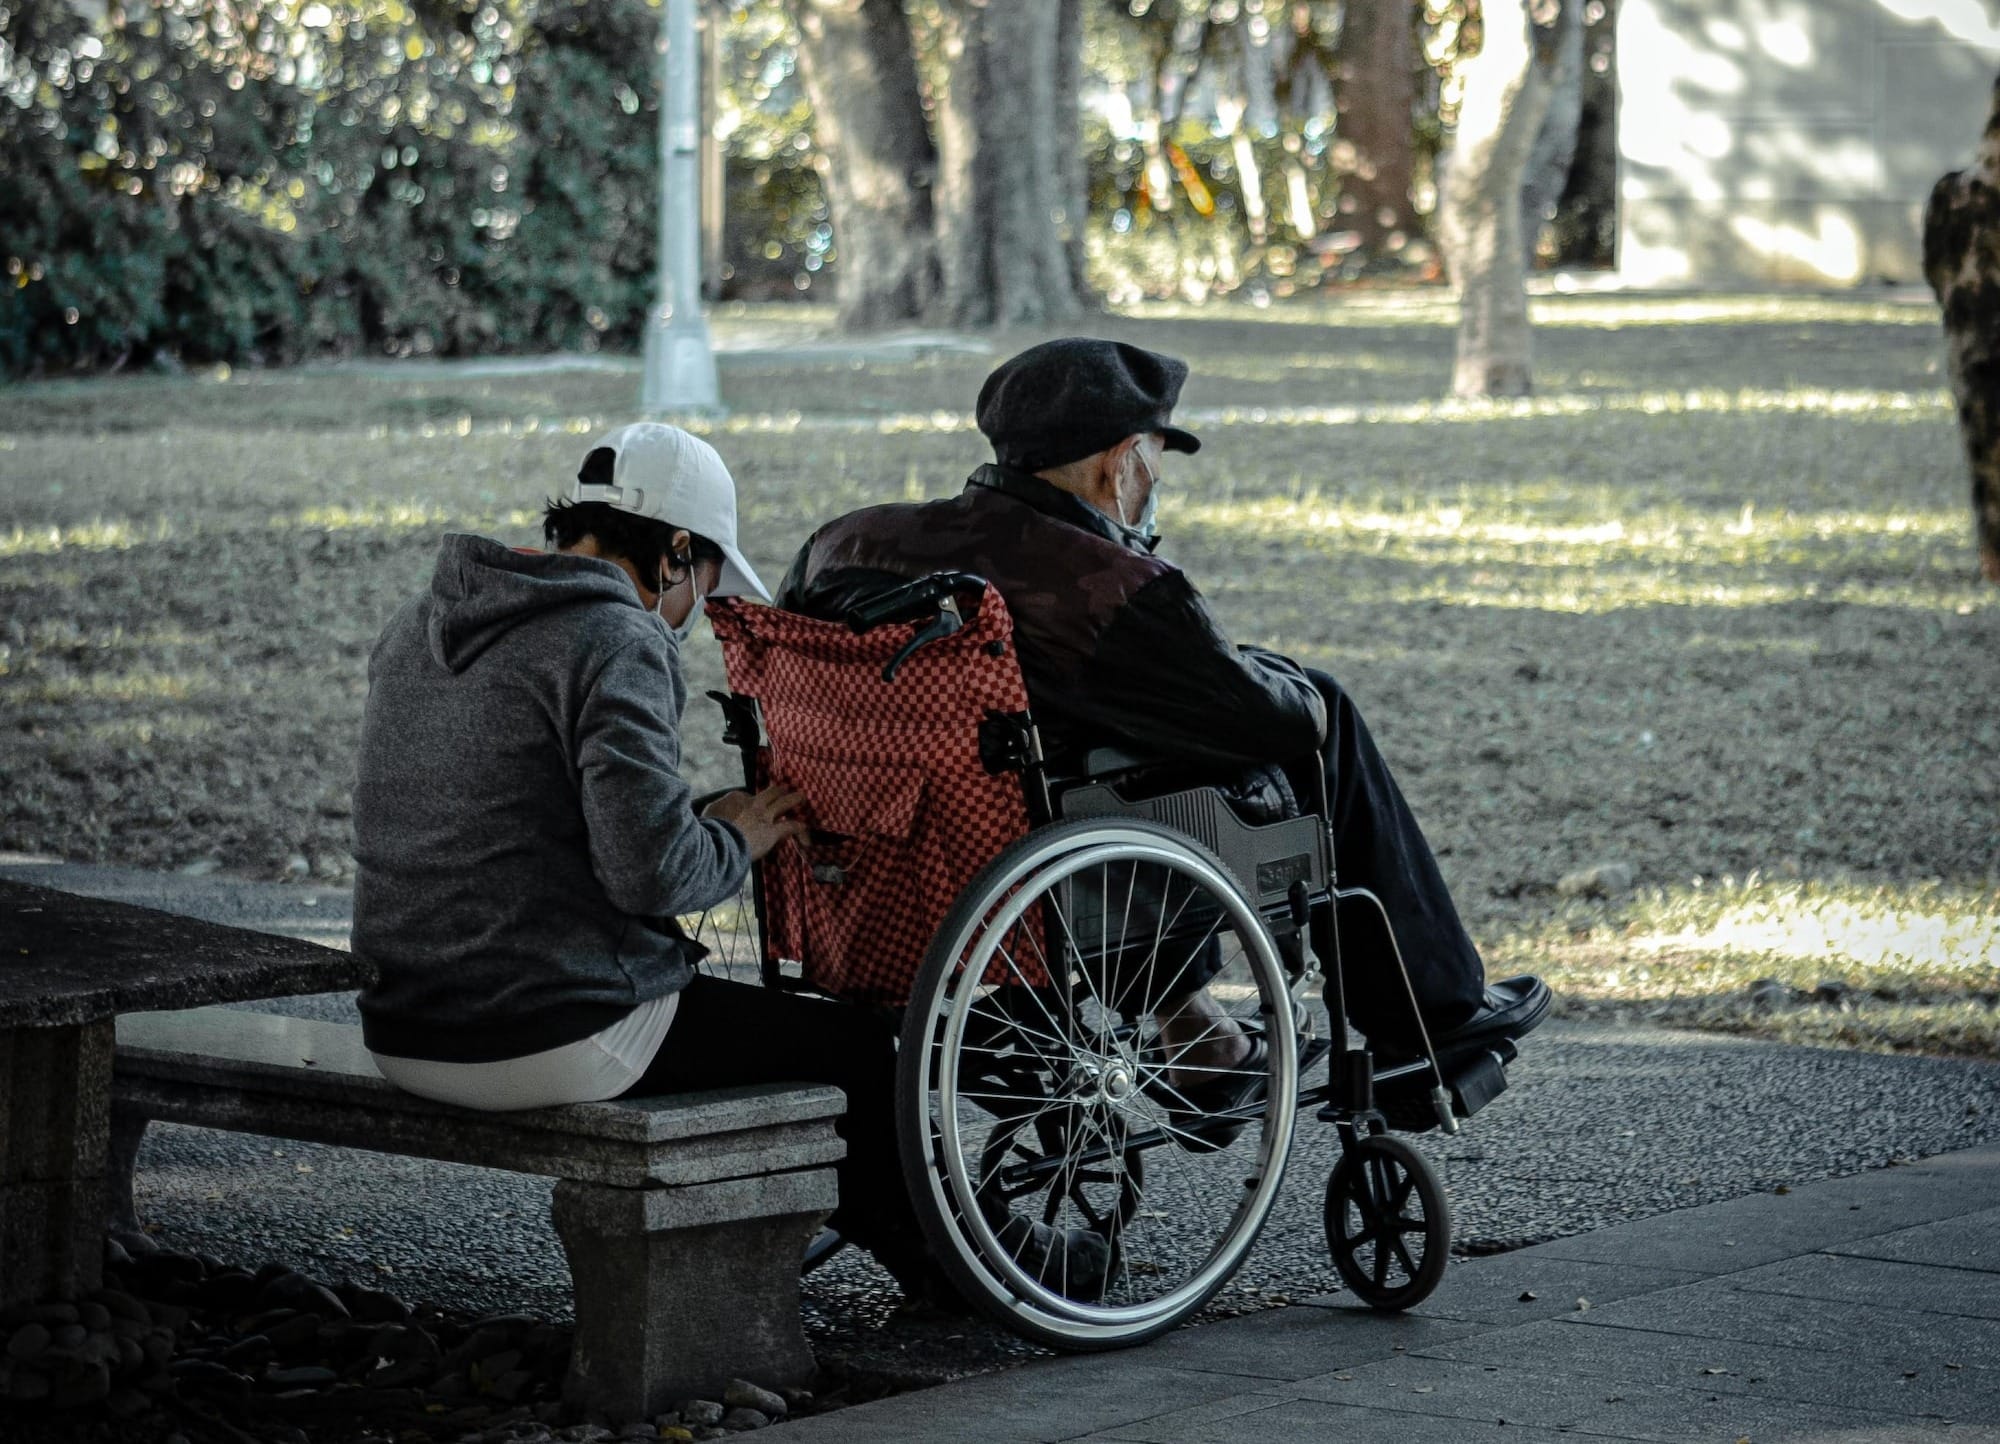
{"points": [[638, 539]]}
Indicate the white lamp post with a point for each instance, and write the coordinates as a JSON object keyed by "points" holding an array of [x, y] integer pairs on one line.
{"points": [[680, 366]]}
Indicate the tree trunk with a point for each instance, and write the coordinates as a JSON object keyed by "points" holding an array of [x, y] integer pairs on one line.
{"points": [[1006, 204], [1376, 95], [1587, 211], [860, 74], [1555, 147], [1507, 89], [1067, 123]]}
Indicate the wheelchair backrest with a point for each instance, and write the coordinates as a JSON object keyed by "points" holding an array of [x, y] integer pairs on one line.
{"points": [[903, 812]]}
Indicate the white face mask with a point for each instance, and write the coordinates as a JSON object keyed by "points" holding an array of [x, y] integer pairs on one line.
{"points": [[686, 628], [1145, 525]]}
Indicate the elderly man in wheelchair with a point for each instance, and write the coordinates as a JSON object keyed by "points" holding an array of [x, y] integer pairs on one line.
{"points": [[1127, 887]]}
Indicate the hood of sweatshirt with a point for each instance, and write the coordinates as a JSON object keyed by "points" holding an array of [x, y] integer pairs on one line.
{"points": [[482, 589]]}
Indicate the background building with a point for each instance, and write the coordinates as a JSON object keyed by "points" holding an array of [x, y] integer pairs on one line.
{"points": [[1792, 141]]}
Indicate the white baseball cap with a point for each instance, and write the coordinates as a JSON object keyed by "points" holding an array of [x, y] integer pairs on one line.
{"points": [[663, 473]]}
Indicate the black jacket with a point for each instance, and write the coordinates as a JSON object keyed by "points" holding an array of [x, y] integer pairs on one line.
{"points": [[1116, 645]]}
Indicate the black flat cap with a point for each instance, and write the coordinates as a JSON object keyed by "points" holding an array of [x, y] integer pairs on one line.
{"points": [[1067, 399]]}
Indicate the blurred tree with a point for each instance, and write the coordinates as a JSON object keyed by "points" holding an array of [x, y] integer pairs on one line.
{"points": [[968, 209], [859, 65], [1554, 153], [183, 180], [1586, 220], [1009, 200], [1508, 84], [1376, 65]]}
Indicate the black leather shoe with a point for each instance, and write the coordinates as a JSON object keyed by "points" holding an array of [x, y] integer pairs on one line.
{"points": [[1513, 1008]]}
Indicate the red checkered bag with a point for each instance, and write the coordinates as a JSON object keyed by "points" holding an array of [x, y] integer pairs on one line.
{"points": [[902, 810]]}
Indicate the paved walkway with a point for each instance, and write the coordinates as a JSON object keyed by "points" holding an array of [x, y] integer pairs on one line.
{"points": [[1863, 1308]]}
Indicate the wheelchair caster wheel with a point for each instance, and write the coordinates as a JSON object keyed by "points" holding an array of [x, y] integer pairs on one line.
{"points": [[1387, 1223]]}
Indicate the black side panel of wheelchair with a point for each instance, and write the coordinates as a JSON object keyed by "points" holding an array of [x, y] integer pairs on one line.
{"points": [[1266, 860]]}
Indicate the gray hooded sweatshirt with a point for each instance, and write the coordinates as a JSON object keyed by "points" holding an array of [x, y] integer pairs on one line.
{"points": [[523, 834]]}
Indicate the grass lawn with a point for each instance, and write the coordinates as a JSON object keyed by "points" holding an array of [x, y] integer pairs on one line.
{"points": [[1704, 607]]}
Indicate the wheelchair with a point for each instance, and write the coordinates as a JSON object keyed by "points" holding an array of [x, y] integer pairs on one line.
{"points": [[1071, 957]]}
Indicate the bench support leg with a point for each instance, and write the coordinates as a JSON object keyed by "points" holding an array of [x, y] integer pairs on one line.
{"points": [[55, 1118], [679, 1290], [121, 1202]]}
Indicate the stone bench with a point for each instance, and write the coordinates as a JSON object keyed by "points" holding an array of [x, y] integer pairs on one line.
{"points": [[684, 1218]]}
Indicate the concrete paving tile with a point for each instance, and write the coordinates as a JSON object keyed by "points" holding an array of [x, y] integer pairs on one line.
{"points": [[1765, 1227], [1970, 1241], [1311, 1421], [1046, 1400], [1883, 1283], [1623, 1409], [1488, 1290], [1718, 1310], [1237, 1408], [1812, 1376], [1290, 1343]]}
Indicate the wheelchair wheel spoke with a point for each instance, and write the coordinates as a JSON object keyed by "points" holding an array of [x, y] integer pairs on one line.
{"points": [[1125, 931], [1403, 1192], [1038, 1035], [1035, 993], [1395, 1241], [1017, 1029]]}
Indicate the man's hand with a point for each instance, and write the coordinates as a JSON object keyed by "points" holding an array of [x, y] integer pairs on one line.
{"points": [[761, 819]]}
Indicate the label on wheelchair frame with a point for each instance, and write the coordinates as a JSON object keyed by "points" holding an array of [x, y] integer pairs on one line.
{"points": [[1277, 875]]}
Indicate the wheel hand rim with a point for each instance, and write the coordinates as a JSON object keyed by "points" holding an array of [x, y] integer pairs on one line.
{"points": [[979, 950]]}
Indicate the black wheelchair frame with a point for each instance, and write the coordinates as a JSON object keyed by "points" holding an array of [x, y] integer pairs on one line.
{"points": [[1286, 870]]}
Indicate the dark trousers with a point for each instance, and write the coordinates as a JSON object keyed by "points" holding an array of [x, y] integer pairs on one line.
{"points": [[1377, 845], [728, 1034]]}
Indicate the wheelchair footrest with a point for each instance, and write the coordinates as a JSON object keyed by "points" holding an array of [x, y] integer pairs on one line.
{"points": [[1475, 1077]]}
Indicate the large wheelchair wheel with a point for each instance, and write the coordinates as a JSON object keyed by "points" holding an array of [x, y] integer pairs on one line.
{"points": [[1085, 1180]]}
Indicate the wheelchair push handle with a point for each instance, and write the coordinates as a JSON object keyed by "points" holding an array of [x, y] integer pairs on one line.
{"points": [[934, 597], [912, 601]]}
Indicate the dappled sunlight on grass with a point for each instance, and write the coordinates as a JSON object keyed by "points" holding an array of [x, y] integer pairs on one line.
{"points": [[1783, 309], [398, 516], [144, 732], [136, 686], [1874, 933], [1506, 551], [53, 634], [1809, 401], [1435, 307], [1638, 535], [1884, 965], [97, 535], [1704, 605]]}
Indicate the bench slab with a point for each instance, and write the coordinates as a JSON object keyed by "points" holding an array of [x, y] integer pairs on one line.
{"points": [[312, 1080], [684, 1218]]}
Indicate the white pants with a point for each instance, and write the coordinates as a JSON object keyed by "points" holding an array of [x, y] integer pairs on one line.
{"points": [[589, 1070]]}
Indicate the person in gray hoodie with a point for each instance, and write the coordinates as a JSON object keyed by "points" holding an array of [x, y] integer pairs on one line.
{"points": [[525, 838]]}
